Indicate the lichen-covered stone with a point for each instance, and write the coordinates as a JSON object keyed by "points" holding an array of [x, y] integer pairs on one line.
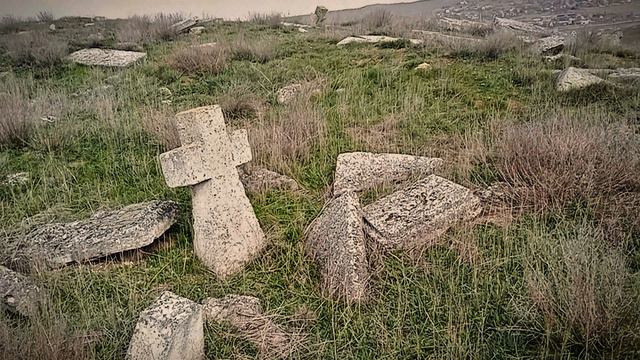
{"points": [[106, 57], [574, 79], [245, 315], [19, 293], [104, 233], [335, 240], [170, 329], [227, 234], [420, 213], [259, 180], [359, 171]]}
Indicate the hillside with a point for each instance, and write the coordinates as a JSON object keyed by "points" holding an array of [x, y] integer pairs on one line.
{"points": [[508, 226]]}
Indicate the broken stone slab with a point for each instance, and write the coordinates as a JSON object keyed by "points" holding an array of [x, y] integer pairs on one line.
{"points": [[106, 57], [519, 26], [259, 180], [574, 79], [19, 293], [246, 316], [227, 235], [104, 233], [335, 241], [196, 30], [320, 14], [419, 214], [360, 171], [628, 74], [550, 45], [172, 328], [460, 25], [374, 39], [184, 25], [288, 93]]}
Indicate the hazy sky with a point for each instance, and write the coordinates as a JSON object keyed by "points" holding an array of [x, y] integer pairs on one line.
{"points": [[216, 8]]}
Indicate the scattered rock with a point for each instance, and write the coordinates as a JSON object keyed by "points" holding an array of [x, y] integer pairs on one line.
{"points": [[227, 234], [551, 45], [205, 45], [52, 27], [424, 67], [106, 57], [259, 180], [374, 39], [359, 171], [320, 14], [302, 26], [184, 25], [288, 93], [49, 118], [245, 315], [166, 102], [303, 30], [19, 293], [519, 26], [170, 329], [574, 78], [17, 179], [105, 233], [89, 24], [197, 30], [562, 57], [419, 214], [335, 240], [459, 25], [165, 92]]}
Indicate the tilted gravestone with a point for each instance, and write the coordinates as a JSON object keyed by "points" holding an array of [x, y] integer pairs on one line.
{"points": [[227, 234]]}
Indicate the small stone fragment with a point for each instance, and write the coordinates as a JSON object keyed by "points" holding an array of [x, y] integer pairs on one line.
{"points": [[165, 92], [420, 213], [574, 79], [424, 67], [288, 93], [19, 293], [259, 180], [105, 233], [52, 27], [170, 329], [196, 30], [335, 241], [303, 30], [360, 171], [17, 179], [245, 315], [106, 57]]}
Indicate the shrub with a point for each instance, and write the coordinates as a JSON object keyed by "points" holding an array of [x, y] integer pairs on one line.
{"points": [[578, 285], [563, 163], [200, 59], [273, 20], [145, 29], [493, 46], [35, 48], [377, 21], [239, 103], [255, 50], [160, 125], [9, 24], [45, 16]]}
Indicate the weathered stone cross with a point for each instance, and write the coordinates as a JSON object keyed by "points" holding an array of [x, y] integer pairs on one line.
{"points": [[227, 234]]}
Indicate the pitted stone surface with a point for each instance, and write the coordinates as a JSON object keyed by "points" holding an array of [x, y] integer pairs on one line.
{"points": [[106, 57], [19, 293], [550, 45], [258, 180], [574, 79], [227, 234], [335, 240], [170, 329], [359, 171], [104, 233], [420, 213], [374, 39], [245, 315]]}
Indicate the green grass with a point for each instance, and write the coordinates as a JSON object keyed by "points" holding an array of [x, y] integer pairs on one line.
{"points": [[435, 306]]}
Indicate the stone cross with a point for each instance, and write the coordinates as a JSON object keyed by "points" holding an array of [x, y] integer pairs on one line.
{"points": [[227, 234]]}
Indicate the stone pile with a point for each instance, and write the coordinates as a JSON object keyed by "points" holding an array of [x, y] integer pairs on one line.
{"points": [[412, 217]]}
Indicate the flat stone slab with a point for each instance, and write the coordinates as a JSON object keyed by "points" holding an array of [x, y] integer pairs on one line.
{"points": [[227, 234], [335, 240], [106, 57], [170, 329], [550, 45], [461, 25], [245, 315], [184, 25], [259, 180], [574, 79], [420, 213], [104, 233], [360, 171], [19, 293], [374, 39]]}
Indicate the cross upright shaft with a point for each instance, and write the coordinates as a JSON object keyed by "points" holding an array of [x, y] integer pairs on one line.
{"points": [[227, 234]]}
